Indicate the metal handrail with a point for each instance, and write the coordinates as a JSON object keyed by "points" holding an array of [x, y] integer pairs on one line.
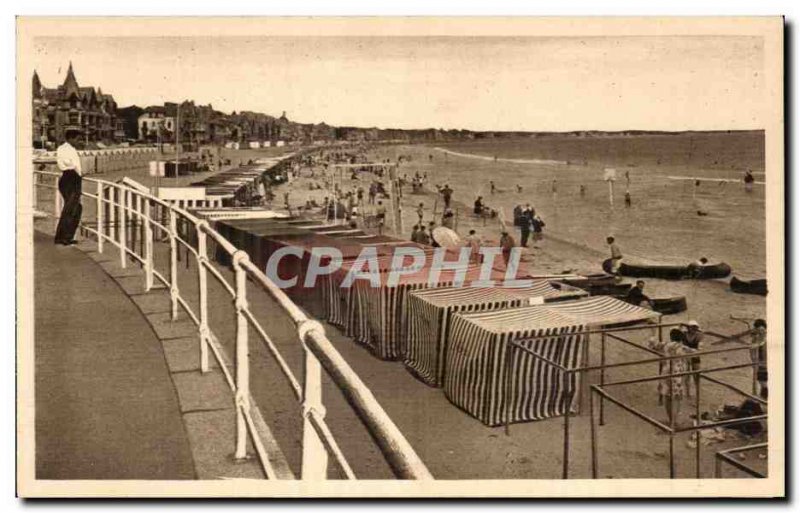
{"points": [[725, 456], [124, 203]]}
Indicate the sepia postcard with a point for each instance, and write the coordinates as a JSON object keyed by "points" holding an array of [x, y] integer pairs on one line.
{"points": [[400, 257]]}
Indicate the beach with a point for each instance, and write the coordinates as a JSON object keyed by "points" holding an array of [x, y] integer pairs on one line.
{"points": [[655, 229]]}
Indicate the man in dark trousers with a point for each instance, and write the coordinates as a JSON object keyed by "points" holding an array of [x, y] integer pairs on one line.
{"points": [[447, 195], [526, 219], [70, 187]]}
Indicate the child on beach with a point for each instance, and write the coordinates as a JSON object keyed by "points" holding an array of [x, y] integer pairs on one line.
{"points": [[616, 255]]}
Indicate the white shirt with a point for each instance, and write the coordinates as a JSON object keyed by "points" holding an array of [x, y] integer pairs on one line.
{"points": [[67, 158]]}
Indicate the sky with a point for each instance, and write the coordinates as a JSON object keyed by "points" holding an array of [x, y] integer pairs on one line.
{"points": [[477, 83]]}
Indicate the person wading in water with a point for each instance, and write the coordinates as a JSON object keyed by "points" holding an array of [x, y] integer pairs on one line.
{"points": [[70, 186]]}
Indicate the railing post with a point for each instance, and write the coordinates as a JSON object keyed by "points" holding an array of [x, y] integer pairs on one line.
{"points": [[173, 264], [100, 217], [602, 374], [148, 248], [123, 220], [315, 456], [112, 213], [136, 231], [242, 363], [202, 261]]}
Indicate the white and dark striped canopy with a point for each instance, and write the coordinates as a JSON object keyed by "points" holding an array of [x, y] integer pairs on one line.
{"points": [[590, 312], [599, 311], [457, 296]]}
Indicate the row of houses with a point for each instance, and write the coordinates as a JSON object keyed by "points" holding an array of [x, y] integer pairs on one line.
{"points": [[201, 124], [92, 117]]}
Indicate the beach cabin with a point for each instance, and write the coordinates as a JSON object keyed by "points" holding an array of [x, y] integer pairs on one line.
{"points": [[496, 383], [431, 311]]}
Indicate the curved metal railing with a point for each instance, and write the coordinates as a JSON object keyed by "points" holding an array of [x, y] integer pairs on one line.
{"points": [[119, 206]]}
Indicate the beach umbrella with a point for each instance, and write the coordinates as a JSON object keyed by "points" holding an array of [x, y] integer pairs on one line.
{"points": [[446, 237]]}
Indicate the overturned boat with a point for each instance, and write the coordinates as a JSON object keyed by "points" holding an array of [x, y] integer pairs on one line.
{"points": [[672, 272], [758, 287], [669, 305]]}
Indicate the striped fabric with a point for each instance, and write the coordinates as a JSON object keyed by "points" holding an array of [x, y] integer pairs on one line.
{"points": [[598, 311], [483, 379], [477, 364], [338, 301], [378, 312], [430, 311]]}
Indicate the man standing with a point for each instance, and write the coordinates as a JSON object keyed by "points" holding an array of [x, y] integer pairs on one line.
{"points": [[447, 194], [694, 335], [473, 242], [421, 212], [380, 215], [616, 255], [538, 225], [70, 187], [748, 181], [507, 243], [526, 217]]}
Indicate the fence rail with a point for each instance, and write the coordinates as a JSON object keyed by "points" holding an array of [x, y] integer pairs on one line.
{"points": [[123, 213]]}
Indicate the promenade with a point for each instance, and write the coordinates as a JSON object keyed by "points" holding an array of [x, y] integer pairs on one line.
{"points": [[106, 407]]}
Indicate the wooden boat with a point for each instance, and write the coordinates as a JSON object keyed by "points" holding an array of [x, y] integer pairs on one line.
{"points": [[669, 305], [758, 287], [672, 272]]}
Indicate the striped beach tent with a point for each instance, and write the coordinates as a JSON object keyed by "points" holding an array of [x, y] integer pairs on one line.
{"points": [[378, 312], [430, 311], [339, 301], [495, 384], [479, 364]]}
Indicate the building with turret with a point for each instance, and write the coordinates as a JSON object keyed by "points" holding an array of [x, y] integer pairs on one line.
{"points": [[69, 110]]}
